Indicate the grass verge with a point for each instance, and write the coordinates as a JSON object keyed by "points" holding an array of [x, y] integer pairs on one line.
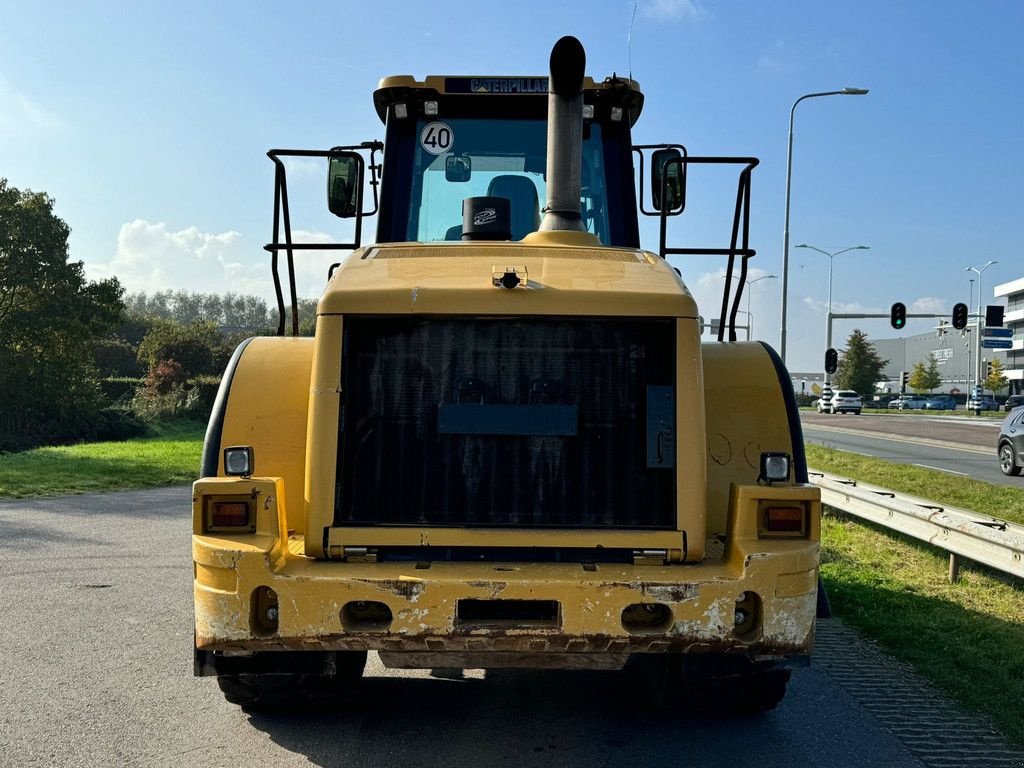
{"points": [[170, 457], [1005, 502], [965, 637]]}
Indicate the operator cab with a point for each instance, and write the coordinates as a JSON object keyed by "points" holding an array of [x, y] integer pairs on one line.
{"points": [[450, 139]]}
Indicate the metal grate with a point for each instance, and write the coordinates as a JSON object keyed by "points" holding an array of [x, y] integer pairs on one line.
{"points": [[513, 422]]}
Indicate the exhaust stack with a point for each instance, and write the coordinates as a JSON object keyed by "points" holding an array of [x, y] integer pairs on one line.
{"points": [[565, 136]]}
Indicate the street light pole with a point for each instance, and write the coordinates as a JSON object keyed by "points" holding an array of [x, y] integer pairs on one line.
{"points": [[748, 283], [828, 315], [979, 273], [750, 323], [970, 348], [789, 177]]}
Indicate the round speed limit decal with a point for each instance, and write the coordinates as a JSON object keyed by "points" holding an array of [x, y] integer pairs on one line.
{"points": [[437, 138]]}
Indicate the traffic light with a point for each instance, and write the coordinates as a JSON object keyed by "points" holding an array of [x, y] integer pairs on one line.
{"points": [[831, 360], [898, 315], [904, 378], [988, 369], [960, 316]]}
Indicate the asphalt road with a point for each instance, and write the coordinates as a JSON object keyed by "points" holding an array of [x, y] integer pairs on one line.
{"points": [[96, 671], [957, 446]]}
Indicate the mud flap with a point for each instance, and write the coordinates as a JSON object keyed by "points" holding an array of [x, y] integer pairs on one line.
{"points": [[824, 610]]}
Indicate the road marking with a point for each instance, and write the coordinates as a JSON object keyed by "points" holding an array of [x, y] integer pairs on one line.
{"points": [[940, 469], [900, 439]]}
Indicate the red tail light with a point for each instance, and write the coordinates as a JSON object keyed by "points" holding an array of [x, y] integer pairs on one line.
{"points": [[784, 519], [234, 515]]}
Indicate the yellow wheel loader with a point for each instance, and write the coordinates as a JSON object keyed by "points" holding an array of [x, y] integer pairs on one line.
{"points": [[506, 444]]}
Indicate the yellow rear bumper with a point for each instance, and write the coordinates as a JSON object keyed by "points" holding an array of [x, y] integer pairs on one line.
{"points": [[312, 595], [774, 579]]}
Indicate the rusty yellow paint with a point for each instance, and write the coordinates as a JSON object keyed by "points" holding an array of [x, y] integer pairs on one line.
{"points": [[423, 601], [268, 407]]}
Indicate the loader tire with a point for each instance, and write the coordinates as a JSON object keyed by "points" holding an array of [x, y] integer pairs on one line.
{"points": [[267, 692], [749, 694]]}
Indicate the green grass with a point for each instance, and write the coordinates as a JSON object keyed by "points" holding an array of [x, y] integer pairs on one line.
{"points": [[965, 637], [1002, 501], [170, 457]]}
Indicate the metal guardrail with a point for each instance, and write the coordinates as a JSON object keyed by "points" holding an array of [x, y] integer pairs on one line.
{"points": [[964, 534]]}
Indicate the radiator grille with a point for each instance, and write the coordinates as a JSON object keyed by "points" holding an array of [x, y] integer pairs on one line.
{"points": [[506, 422]]}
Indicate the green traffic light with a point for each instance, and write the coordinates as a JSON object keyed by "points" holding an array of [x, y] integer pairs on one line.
{"points": [[898, 315]]}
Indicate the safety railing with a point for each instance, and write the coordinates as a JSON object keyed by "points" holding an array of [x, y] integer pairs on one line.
{"points": [[964, 534]]}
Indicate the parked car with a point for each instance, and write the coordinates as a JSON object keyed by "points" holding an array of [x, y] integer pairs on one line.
{"points": [[1010, 446], [845, 401], [982, 404], [1013, 401], [940, 403], [879, 401], [909, 402]]}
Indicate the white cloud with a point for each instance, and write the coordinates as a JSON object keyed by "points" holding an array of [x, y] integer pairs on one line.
{"points": [[931, 304], [673, 10], [19, 113], [152, 257]]}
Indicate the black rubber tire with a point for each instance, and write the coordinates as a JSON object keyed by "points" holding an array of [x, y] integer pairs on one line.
{"points": [[1007, 463], [266, 692], [749, 694]]}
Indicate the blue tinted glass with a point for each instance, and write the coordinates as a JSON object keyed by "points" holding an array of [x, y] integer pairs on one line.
{"points": [[496, 150]]}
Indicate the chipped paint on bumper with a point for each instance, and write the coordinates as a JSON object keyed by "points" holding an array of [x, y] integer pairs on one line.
{"points": [[701, 598]]}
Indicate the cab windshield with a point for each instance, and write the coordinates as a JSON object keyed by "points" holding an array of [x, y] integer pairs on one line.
{"points": [[456, 158]]}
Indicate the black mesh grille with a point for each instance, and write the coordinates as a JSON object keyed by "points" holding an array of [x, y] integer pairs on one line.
{"points": [[564, 441]]}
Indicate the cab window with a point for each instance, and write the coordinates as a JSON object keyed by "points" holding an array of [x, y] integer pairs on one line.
{"points": [[456, 158]]}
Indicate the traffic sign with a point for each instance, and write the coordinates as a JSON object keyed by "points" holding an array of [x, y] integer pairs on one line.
{"points": [[997, 343], [999, 333]]}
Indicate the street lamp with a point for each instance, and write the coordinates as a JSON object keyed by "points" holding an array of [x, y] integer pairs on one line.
{"points": [[828, 315], [750, 322], [789, 176], [970, 358], [979, 273], [748, 283]]}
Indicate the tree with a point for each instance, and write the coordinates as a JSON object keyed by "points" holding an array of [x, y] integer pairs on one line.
{"points": [[50, 316], [995, 380], [196, 347], [860, 367], [925, 378]]}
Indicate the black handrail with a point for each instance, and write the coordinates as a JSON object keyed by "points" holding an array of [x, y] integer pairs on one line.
{"points": [[281, 211], [740, 229]]}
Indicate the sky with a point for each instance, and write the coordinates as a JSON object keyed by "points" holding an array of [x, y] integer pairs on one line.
{"points": [[148, 124]]}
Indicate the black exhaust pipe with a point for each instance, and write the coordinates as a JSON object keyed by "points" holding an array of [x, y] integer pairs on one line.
{"points": [[565, 136]]}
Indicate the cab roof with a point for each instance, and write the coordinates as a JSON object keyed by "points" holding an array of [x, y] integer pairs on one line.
{"points": [[612, 91]]}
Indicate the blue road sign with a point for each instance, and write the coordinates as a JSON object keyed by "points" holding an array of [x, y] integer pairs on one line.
{"points": [[999, 333], [997, 343]]}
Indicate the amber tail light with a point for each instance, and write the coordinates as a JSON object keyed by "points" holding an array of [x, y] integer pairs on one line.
{"points": [[783, 520], [230, 515]]}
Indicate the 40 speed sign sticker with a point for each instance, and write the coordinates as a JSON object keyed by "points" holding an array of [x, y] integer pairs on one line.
{"points": [[437, 138]]}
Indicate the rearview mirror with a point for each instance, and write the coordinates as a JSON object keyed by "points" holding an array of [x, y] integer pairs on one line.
{"points": [[670, 178], [344, 184], [458, 167]]}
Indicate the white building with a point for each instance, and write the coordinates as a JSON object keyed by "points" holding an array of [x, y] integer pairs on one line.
{"points": [[1014, 318]]}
